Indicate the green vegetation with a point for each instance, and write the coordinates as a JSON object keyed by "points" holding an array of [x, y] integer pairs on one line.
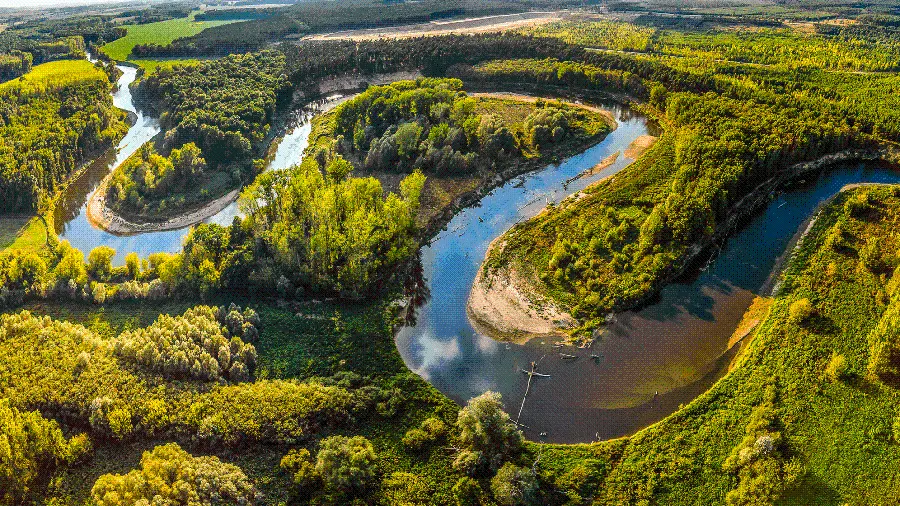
{"points": [[30, 448], [170, 475], [161, 32], [460, 142], [216, 115], [55, 118]]}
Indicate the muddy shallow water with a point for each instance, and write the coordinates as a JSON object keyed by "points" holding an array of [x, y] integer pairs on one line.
{"points": [[651, 360]]}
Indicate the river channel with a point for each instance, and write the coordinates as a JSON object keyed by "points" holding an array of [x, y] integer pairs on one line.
{"points": [[70, 216], [649, 361], [646, 363]]}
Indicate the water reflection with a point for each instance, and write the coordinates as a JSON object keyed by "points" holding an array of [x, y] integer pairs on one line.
{"points": [[71, 214], [648, 362]]}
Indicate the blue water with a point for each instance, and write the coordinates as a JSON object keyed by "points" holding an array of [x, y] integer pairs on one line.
{"points": [[651, 360]]}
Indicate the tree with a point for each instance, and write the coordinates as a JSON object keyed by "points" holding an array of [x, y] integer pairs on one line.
{"points": [[515, 486], [30, 446], [100, 262], [487, 435], [171, 476], [346, 464], [133, 265]]}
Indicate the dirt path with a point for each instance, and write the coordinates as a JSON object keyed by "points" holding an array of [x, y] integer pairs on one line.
{"points": [[467, 25]]}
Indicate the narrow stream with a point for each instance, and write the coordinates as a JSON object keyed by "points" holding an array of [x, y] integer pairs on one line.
{"points": [[71, 213], [651, 360]]}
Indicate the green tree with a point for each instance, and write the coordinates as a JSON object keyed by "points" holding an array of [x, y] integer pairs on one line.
{"points": [[170, 475], [100, 262], [488, 437], [346, 464], [515, 486]]}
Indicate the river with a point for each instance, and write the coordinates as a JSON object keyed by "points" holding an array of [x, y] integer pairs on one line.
{"points": [[651, 360], [70, 216]]}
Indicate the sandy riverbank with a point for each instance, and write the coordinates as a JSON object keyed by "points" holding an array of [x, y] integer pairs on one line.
{"points": [[101, 216], [502, 305], [501, 22]]}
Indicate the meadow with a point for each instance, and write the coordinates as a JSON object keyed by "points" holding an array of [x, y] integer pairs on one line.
{"points": [[160, 32]]}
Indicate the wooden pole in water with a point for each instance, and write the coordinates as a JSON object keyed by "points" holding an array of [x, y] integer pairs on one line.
{"points": [[531, 374]]}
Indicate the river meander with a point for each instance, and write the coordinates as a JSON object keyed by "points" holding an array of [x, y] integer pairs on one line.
{"points": [[71, 218], [651, 360]]}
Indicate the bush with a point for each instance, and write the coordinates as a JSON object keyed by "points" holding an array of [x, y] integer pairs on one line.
{"points": [[430, 431], [488, 437], [800, 311], [194, 345], [170, 475], [346, 464], [406, 489], [837, 368], [299, 464], [468, 492], [515, 486]]}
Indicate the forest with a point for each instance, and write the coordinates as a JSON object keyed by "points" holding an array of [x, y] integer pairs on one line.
{"points": [[54, 119], [262, 361]]}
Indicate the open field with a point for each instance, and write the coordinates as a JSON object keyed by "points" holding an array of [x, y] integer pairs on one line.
{"points": [[162, 32], [54, 74], [468, 25]]}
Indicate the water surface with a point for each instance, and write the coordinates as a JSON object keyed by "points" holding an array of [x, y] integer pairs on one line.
{"points": [[650, 361], [71, 213]]}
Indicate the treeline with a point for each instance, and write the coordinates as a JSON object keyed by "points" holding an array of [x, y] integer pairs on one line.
{"points": [[74, 375], [14, 64], [556, 73], [315, 17], [51, 122]]}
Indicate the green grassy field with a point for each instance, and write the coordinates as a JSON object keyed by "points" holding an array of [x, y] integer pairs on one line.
{"points": [[162, 33], [54, 74]]}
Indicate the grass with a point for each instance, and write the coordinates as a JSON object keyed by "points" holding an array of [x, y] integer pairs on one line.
{"points": [[23, 233], [54, 74], [161, 33]]}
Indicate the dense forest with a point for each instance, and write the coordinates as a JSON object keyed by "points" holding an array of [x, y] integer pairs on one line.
{"points": [[216, 116], [54, 119]]}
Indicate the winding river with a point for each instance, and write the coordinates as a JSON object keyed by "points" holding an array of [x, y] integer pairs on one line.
{"points": [[646, 362], [70, 216], [649, 361]]}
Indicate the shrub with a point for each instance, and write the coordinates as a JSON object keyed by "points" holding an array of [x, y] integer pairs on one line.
{"points": [[871, 256], [406, 489], [346, 464], [468, 492], [194, 345], [515, 486], [430, 431], [170, 475], [299, 464], [801, 311], [488, 437], [837, 368]]}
